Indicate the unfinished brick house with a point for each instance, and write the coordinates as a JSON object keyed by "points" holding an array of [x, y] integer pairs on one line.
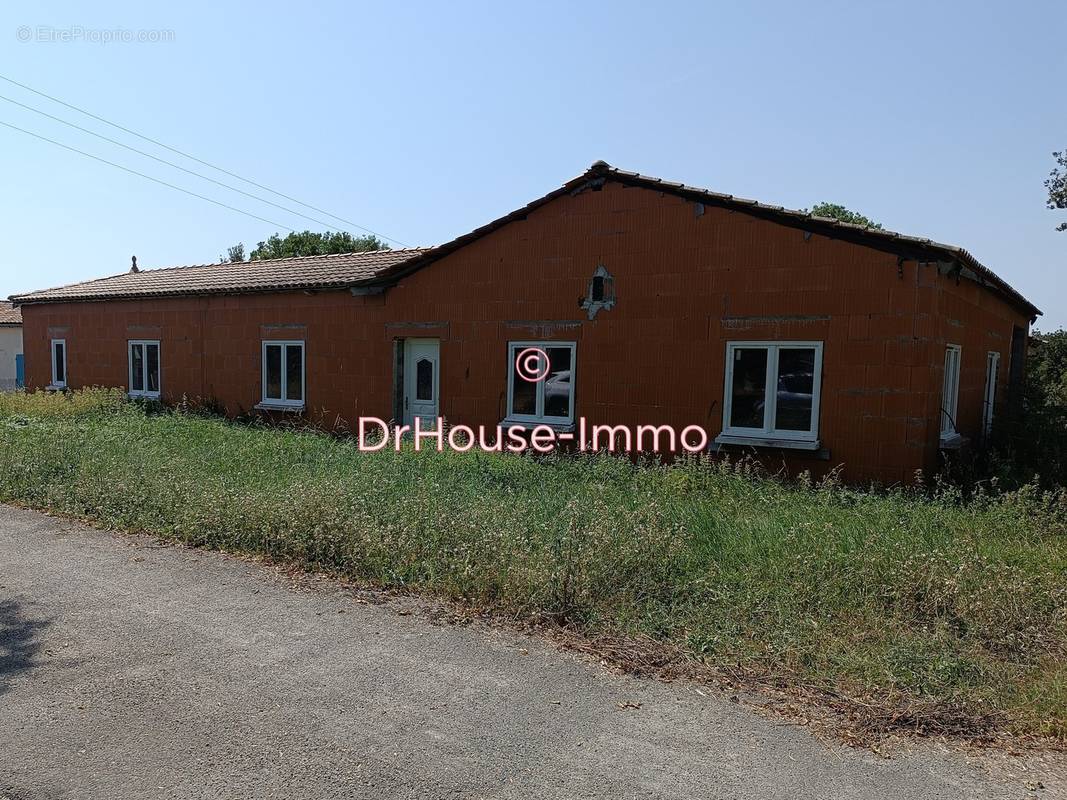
{"points": [[811, 342]]}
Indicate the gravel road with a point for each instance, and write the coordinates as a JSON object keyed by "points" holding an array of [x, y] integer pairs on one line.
{"points": [[134, 670]]}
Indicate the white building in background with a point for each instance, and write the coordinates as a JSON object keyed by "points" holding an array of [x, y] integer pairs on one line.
{"points": [[12, 368]]}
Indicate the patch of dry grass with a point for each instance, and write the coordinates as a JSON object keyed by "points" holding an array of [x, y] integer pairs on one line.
{"points": [[904, 611]]}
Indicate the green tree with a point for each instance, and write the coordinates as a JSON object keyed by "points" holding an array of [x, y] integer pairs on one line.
{"points": [[1047, 370], [1057, 186], [839, 212], [1032, 439], [308, 243], [234, 255]]}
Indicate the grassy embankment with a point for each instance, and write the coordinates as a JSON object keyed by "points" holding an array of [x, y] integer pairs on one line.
{"points": [[904, 609]]}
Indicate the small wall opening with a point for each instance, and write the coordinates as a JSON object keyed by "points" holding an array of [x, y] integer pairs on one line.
{"points": [[596, 293], [601, 292]]}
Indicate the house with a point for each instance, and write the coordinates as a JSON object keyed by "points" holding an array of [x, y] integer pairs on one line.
{"points": [[11, 359], [808, 341]]}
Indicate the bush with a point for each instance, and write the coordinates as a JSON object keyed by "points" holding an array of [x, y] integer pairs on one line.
{"points": [[1031, 441]]}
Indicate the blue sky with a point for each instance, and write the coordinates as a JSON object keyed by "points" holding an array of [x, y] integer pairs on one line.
{"points": [[423, 121]]}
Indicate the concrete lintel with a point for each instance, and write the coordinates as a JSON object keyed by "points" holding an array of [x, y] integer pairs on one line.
{"points": [[418, 325]]}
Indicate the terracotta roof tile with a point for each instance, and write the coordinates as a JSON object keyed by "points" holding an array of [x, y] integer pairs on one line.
{"points": [[283, 274], [9, 315]]}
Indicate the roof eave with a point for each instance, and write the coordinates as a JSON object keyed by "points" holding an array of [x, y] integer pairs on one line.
{"points": [[101, 298]]}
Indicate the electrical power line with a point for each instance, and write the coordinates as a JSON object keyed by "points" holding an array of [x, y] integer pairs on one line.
{"points": [[142, 175], [168, 163], [198, 160]]}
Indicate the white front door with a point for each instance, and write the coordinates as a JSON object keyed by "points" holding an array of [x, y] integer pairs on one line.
{"points": [[422, 362]]}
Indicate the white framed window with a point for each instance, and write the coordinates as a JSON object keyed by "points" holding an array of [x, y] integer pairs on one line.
{"points": [[992, 374], [283, 373], [541, 382], [144, 368], [59, 363], [772, 394], [950, 391]]}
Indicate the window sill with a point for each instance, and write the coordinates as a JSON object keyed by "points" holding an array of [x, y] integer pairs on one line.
{"points": [[953, 442], [142, 395], [56, 387], [268, 406], [758, 441], [528, 424]]}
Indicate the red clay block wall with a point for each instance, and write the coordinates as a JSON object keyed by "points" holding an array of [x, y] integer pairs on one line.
{"points": [[979, 322], [210, 346], [687, 279]]}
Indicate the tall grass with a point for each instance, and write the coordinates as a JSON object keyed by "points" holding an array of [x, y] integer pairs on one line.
{"points": [[925, 598]]}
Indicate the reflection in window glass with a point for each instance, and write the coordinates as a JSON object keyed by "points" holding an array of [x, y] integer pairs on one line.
{"points": [[796, 385], [523, 394], [424, 380], [60, 361], [950, 390], [274, 372], [152, 364], [294, 372], [748, 393], [548, 398], [137, 376], [558, 383]]}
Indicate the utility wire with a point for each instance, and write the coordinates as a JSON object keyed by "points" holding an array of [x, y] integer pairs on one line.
{"points": [[142, 175], [168, 163], [200, 161]]}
